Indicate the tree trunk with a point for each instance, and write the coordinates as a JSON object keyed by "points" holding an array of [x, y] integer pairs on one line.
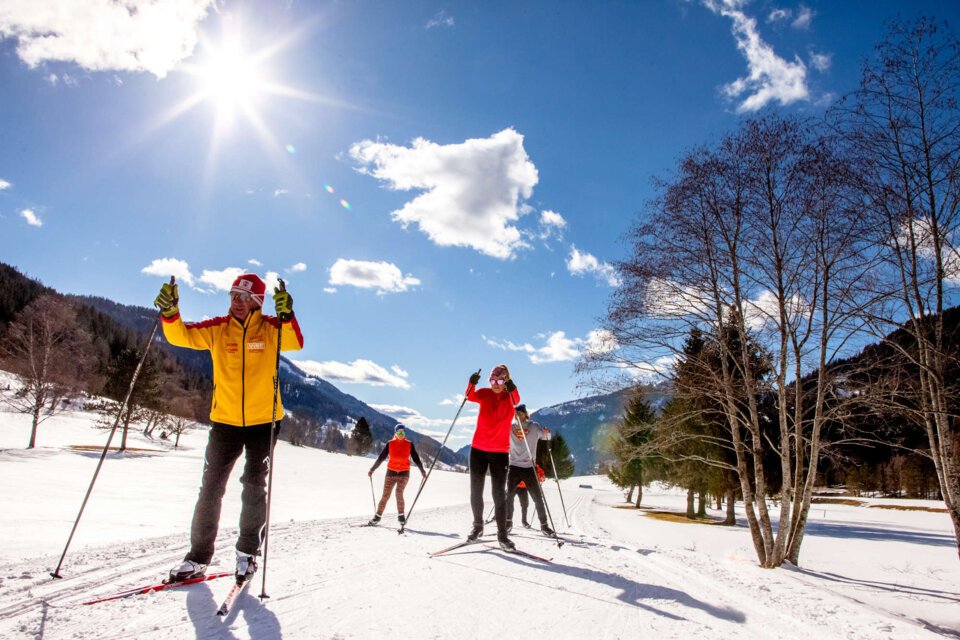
{"points": [[731, 519], [691, 513], [630, 494], [126, 424], [639, 494], [33, 429], [702, 505]]}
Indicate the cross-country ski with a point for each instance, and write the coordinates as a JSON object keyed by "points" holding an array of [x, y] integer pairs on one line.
{"points": [[160, 586]]}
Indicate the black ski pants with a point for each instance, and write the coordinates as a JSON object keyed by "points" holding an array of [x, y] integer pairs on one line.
{"points": [[497, 463], [528, 476], [225, 445]]}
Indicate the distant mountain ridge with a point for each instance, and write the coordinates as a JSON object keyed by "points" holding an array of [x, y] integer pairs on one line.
{"points": [[586, 423]]}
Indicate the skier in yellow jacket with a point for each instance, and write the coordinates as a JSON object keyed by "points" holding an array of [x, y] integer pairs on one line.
{"points": [[243, 347]]}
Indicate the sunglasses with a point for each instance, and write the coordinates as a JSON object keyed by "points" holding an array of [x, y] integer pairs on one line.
{"points": [[400, 432], [497, 381], [242, 297]]}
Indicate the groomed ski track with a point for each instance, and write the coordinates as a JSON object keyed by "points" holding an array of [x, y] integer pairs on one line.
{"points": [[330, 580]]}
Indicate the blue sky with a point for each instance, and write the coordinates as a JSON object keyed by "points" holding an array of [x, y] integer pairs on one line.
{"points": [[442, 185]]}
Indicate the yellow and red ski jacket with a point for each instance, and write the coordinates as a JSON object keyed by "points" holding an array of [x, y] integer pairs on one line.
{"points": [[244, 356]]}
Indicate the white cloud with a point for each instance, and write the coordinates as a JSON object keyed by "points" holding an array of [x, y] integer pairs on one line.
{"points": [[670, 299], [4, 184], [280, 192], [765, 310], [441, 19], [552, 224], [167, 267], [579, 264], [779, 15], [359, 371], [558, 347], [506, 345], [804, 18], [920, 232], [330, 289], [411, 417], [255, 262], [650, 372], [455, 401], [32, 218], [382, 276], [297, 268], [821, 61], [52, 79], [221, 280], [771, 78], [272, 281], [101, 35], [473, 192]]}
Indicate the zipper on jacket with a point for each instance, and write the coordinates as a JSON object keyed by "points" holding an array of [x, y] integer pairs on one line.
{"points": [[243, 377]]}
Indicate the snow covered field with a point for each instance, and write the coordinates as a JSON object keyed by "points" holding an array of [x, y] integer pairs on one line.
{"points": [[866, 572]]}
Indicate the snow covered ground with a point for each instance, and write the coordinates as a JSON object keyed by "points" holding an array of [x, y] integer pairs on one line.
{"points": [[866, 572]]}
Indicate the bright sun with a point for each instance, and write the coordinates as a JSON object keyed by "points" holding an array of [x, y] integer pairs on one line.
{"points": [[231, 79]]}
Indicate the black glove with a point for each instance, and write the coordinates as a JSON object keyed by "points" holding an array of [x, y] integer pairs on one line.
{"points": [[475, 379], [510, 387], [167, 300], [283, 303]]}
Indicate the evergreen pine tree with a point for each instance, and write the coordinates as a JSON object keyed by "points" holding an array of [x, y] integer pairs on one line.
{"points": [[561, 455], [361, 439]]}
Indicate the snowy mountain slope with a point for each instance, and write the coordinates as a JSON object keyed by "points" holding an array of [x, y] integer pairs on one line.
{"points": [[585, 422], [867, 573]]}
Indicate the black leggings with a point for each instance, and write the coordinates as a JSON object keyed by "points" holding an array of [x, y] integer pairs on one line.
{"points": [[528, 476], [224, 447], [497, 463]]}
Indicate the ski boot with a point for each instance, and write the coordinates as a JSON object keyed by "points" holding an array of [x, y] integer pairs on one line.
{"points": [[475, 532], [547, 531], [506, 543], [187, 570], [375, 520], [246, 567], [402, 519]]}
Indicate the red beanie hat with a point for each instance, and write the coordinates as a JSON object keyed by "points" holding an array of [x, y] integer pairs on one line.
{"points": [[252, 284]]}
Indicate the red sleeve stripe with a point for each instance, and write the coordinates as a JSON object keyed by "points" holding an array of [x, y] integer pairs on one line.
{"points": [[212, 322]]}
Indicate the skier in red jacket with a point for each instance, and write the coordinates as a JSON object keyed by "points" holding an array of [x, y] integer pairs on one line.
{"points": [[490, 448]]}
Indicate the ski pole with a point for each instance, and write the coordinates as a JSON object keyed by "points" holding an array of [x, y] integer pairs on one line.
{"points": [[113, 430], [372, 495], [435, 458], [557, 479], [273, 439], [526, 444]]}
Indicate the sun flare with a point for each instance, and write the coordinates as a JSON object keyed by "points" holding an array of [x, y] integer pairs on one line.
{"points": [[231, 79]]}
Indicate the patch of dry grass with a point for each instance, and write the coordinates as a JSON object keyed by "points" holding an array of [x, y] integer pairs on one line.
{"points": [[91, 447], [670, 516], [847, 501], [904, 507]]}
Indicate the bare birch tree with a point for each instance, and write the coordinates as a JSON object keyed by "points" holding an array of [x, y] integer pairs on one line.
{"points": [[50, 354], [755, 244], [904, 125]]}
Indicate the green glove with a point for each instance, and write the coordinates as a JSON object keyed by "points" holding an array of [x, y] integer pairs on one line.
{"points": [[283, 303], [167, 300]]}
